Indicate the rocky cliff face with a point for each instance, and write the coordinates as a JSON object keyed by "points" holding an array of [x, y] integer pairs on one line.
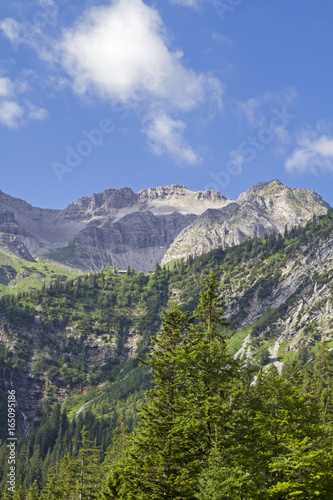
{"points": [[14, 245], [122, 228], [264, 208], [288, 302], [31, 385], [138, 239], [117, 227]]}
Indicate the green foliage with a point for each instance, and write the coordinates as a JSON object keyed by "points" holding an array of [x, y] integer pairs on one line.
{"points": [[77, 478], [277, 447], [211, 369], [159, 460]]}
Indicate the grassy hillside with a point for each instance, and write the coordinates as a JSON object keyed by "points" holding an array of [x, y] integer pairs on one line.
{"points": [[18, 275]]}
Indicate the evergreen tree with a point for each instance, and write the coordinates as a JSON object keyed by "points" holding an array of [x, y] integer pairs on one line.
{"points": [[277, 448], [323, 384], [209, 369], [87, 465], [192, 375], [33, 492], [62, 481], [18, 494], [119, 442], [77, 478], [6, 495], [159, 461]]}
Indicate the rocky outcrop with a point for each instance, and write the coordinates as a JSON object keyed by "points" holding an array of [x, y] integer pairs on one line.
{"points": [[264, 208], [122, 228], [287, 298], [12, 244], [117, 227], [138, 240]]}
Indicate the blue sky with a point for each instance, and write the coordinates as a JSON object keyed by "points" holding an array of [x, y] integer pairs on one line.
{"points": [[210, 94]]}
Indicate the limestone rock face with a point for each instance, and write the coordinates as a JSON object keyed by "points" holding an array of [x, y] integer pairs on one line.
{"points": [[117, 227], [139, 239], [298, 301], [122, 228], [15, 246], [264, 208]]}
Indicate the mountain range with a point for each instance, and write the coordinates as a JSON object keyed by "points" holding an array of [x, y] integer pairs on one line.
{"points": [[124, 229]]}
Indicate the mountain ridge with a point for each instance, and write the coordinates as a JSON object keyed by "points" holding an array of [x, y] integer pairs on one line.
{"points": [[122, 228]]}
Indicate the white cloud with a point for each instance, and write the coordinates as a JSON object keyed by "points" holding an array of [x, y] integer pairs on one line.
{"points": [[166, 136], [26, 34], [11, 29], [118, 49], [237, 161], [15, 115], [256, 109], [35, 113], [6, 87], [121, 53], [314, 153], [11, 114]]}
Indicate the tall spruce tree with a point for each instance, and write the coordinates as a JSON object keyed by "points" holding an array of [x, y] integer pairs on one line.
{"points": [[277, 448], [323, 384], [159, 462], [33, 492], [209, 370], [191, 375]]}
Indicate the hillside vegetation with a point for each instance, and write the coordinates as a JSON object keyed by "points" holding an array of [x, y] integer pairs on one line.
{"points": [[208, 429], [19, 275], [73, 345]]}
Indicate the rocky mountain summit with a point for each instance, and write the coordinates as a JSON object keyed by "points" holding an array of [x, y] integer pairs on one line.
{"points": [[121, 228], [266, 207]]}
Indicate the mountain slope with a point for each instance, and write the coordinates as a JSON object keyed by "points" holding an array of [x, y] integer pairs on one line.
{"points": [[138, 240], [74, 336], [19, 273]]}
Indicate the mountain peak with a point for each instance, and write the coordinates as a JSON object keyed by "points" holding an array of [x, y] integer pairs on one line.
{"points": [[299, 199], [260, 186]]}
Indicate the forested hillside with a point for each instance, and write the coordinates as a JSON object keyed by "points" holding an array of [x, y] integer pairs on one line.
{"points": [[70, 349]]}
